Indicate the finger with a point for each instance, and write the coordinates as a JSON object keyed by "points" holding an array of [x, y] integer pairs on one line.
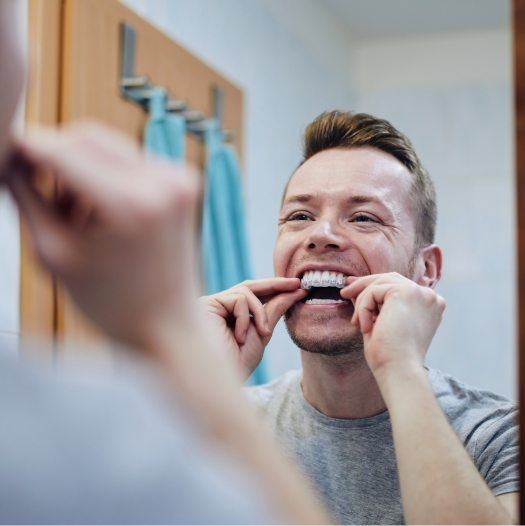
{"points": [[365, 300], [242, 319], [12, 163], [73, 208], [263, 287], [368, 305], [107, 142], [226, 300], [357, 285], [61, 203], [31, 204], [74, 167], [232, 304], [365, 321], [278, 305], [257, 310], [52, 242]]}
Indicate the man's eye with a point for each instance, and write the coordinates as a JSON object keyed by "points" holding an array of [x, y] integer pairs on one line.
{"points": [[298, 216], [363, 218]]}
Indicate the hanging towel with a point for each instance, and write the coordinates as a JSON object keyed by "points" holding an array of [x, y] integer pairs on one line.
{"points": [[224, 246], [164, 134]]}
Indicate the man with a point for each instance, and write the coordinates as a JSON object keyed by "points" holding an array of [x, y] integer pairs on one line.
{"points": [[383, 438], [83, 449]]}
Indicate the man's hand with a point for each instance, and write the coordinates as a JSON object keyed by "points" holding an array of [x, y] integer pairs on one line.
{"points": [[119, 231], [397, 317], [245, 315]]}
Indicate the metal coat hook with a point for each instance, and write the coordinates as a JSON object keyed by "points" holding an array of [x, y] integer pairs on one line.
{"points": [[133, 87], [218, 112], [138, 89]]}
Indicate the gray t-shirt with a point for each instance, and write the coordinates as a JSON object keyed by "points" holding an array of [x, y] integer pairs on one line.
{"points": [[352, 461]]}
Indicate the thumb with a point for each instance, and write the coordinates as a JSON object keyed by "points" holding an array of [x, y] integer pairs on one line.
{"points": [[279, 304], [50, 238]]}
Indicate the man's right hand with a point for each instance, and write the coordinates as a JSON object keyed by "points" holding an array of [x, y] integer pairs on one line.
{"points": [[246, 315]]}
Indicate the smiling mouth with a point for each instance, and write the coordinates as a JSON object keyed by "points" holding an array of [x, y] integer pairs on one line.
{"points": [[323, 287]]}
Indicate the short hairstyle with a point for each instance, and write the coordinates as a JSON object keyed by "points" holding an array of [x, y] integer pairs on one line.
{"points": [[337, 129]]}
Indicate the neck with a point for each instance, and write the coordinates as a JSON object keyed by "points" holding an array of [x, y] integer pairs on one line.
{"points": [[340, 386]]}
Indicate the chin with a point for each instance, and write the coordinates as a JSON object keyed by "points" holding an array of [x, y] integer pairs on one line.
{"points": [[323, 334]]}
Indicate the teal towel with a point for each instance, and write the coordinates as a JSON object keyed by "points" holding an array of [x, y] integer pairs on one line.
{"points": [[224, 237], [164, 134], [224, 245]]}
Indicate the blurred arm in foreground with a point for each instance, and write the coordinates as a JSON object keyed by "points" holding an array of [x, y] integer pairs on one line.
{"points": [[119, 234]]}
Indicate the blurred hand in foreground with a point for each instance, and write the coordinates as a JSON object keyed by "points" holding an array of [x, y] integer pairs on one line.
{"points": [[118, 231]]}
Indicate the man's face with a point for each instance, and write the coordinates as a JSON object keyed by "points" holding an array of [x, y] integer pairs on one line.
{"points": [[347, 211]]}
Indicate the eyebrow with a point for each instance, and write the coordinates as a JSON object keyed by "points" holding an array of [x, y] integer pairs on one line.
{"points": [[300, 198], [355, 199]]}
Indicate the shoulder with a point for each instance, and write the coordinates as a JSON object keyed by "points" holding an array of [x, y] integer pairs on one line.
{"points": [[472, 411], [488, 427], [275, 391], [449, 389]]}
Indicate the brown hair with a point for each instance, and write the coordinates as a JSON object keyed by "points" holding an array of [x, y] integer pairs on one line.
{"points": [[337, 129]]}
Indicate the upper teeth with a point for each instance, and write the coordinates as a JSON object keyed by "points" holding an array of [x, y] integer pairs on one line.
{"points": [[322, 278]]}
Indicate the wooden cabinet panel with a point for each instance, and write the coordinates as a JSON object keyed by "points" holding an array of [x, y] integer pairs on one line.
{"points": [[37, 287]]}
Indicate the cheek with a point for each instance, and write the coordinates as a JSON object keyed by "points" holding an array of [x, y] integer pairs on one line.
{"points": [[282, 253], [378, 255], [279, 257]]}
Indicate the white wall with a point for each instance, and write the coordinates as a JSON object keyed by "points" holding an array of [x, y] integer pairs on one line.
{"points": [[10, 239], [288, 77], [452, 95]]}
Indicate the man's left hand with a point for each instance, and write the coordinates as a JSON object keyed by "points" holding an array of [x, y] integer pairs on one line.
{"points": [[397, 317]]}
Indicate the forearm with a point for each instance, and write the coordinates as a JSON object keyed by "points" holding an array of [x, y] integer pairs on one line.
{"points": [[439, 482], [201, 378]]}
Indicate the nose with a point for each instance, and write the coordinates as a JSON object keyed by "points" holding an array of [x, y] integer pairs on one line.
{"points": [[323, 236]]}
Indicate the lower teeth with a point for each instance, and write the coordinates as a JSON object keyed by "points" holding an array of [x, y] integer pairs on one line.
{"points": [[318, 301]]}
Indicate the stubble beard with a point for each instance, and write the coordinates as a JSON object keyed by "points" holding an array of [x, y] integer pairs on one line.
{"points": [[335, 345]]}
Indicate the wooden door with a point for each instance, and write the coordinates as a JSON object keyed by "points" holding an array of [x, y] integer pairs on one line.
{"points": [[85, 55], [37, 287]]}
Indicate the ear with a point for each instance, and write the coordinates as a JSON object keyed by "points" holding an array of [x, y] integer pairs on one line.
{"points": [[427, 271]]}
